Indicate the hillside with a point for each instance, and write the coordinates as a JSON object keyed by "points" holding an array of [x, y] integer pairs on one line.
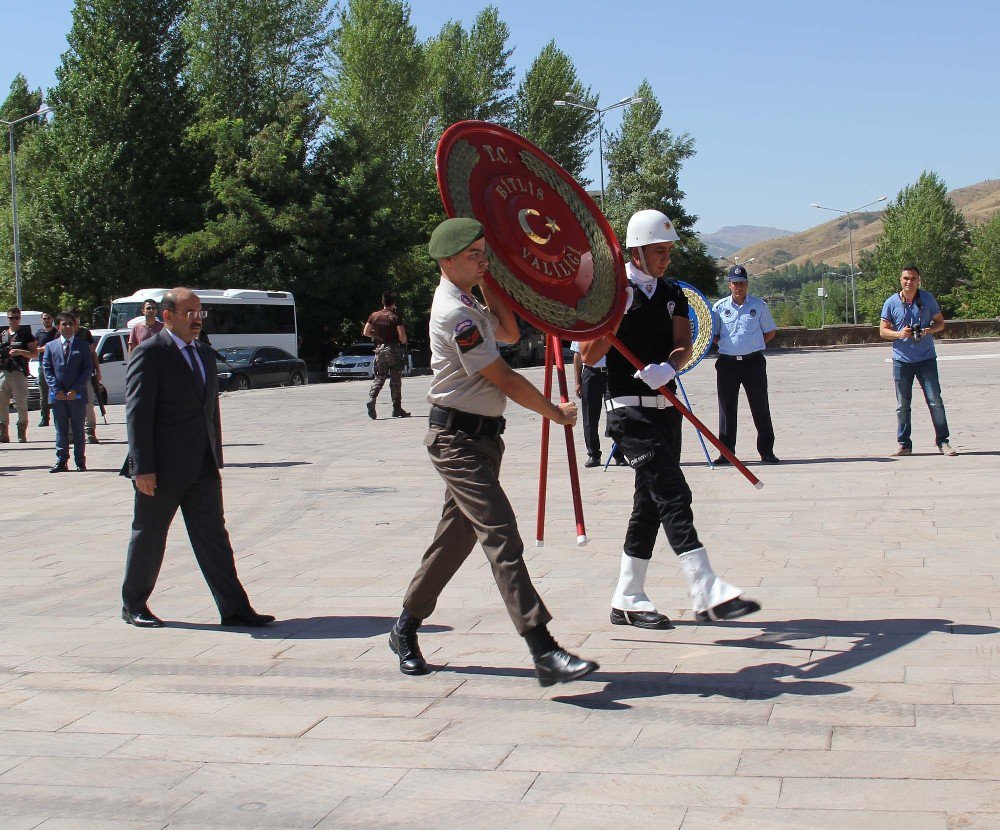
{"points": [[829, 243], [728, 240]]}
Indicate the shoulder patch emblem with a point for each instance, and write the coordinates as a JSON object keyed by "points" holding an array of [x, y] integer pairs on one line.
{"points": [[467, 336], [753, 312]]}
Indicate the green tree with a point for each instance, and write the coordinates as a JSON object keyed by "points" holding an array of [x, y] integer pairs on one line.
{"points": [[20, 101], [565, 133], [981, 297], [114, 174], [469, 76], [644, 164], [921, 226], [247, 58]]}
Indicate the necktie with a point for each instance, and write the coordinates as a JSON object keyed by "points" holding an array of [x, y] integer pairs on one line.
{"points": [[199, 382], [66, 350]]}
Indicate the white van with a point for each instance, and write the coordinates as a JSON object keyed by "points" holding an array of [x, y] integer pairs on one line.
{"points": [[112, 353]]}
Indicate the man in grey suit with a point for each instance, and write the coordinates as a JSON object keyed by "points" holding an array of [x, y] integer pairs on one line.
{"points": [[175, 454], [67, 366]]}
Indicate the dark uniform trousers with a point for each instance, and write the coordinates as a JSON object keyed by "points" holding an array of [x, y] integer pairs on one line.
{"points": [[593, 384], [751, 374], [651, 441], [475, 508], [201, 505], [390, 360]]}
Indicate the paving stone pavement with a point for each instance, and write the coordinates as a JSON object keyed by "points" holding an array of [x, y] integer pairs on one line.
{"points": [[864, 695]]}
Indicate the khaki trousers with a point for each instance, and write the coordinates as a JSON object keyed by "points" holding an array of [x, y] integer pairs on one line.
{"points": [[13, 384], [475, 508]]}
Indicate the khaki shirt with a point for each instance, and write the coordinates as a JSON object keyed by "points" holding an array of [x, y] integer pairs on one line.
{"points": [[462, 344]]}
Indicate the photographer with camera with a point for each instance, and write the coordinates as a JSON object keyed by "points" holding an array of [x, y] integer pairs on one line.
{"points": [[910, 319], [17, 347]]}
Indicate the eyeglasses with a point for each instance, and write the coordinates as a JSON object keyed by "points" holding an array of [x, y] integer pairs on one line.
{"points": [[196, 315], [13, 316]]}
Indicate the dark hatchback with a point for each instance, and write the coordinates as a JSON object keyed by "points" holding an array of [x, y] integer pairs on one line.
{"points": [[250, 367]]}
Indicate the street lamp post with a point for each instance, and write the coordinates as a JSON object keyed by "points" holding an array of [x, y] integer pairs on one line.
{"points": [[573, 101], [13, 196], [850, 241], [845, 278]]}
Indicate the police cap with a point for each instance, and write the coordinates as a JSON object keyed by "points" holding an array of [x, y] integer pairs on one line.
{"points": [[453, 236], [737, 274]]}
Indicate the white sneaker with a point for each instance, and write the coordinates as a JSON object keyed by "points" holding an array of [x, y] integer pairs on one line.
{"points": [[946, 449]]}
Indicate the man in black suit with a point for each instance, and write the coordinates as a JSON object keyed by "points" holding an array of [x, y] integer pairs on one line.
{"points": [[175, 454]]}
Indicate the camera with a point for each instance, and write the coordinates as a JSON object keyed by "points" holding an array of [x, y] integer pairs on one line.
{"points": [[918, 331]]}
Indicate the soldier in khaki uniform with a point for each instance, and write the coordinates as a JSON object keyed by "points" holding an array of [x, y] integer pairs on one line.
{"points": [[468, 394], [389, 333]]}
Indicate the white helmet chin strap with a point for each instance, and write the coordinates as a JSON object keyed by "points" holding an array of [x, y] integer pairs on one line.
{"points": [[642, 260]]}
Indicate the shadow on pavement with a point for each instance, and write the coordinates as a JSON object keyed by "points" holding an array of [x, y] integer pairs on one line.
{"points": [[313, 628], [254, 464], [872, 639]]}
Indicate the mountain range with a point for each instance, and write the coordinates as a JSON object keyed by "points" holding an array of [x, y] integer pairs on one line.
{"points": [[732, 238], [829, 242]]}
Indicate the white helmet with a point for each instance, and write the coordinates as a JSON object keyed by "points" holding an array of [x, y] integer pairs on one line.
{"points": [[648, 227]]}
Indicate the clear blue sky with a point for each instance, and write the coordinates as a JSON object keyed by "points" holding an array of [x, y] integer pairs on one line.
{"points": [[789, 102]]}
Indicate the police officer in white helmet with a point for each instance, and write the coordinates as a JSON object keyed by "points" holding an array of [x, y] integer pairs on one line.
{"points": [[657, 329]]}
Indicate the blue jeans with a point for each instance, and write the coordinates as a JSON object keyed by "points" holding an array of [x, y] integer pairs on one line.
{"points": [[926, 373]]}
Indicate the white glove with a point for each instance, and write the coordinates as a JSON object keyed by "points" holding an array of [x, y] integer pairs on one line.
{"points": [[656, 375]]}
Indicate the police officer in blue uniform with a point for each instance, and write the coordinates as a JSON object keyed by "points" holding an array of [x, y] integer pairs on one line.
{"points": [[745, 327]]}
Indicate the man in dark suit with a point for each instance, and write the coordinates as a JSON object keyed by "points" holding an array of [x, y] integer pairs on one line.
{"points": [[175, 454], [67, 365]]}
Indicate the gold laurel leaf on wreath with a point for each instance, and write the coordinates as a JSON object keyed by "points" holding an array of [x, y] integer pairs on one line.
{"points": [[703, 314]]}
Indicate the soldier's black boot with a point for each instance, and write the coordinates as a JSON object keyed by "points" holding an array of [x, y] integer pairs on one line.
{"points": [[371, 410], [4, 435], [403, 642], [552, 663], [399, 412]]}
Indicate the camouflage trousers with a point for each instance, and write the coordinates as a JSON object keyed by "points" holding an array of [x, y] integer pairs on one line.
{"points": [[389, 363]]}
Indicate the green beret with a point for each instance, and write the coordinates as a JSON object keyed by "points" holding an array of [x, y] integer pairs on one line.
{"points": [[453, 236]]}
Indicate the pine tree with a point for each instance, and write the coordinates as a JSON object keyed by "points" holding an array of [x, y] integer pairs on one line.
{"points": [[644, 164]]}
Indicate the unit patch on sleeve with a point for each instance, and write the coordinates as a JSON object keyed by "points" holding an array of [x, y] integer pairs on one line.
{"points": [[467, 336]]}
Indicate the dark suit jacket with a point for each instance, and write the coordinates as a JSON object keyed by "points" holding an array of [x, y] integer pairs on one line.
{"points": [[170, 426], [63, 374]]}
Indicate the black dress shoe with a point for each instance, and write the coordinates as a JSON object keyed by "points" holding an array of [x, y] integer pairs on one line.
{"points": [[247, 619], [44, 422], [62, 467], [559, 666], [721, 461], [399, 412], [81, 467], [371, 410], [770, 458], [730, 610], [640, 619], [142, 619], [403, 642], [592, 461]]}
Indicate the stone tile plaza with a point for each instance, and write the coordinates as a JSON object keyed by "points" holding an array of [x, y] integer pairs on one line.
{"points": [[864, 695]]}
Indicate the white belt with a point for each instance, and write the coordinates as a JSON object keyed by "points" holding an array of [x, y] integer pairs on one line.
{"points": [[652, 401]]}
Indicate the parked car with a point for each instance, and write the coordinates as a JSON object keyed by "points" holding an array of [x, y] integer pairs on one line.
{"points": [[358, 361], [249, 367]]}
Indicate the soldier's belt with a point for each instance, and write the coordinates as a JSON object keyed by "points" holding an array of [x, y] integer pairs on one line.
{"points": [[454, 420], [650, 401]]}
